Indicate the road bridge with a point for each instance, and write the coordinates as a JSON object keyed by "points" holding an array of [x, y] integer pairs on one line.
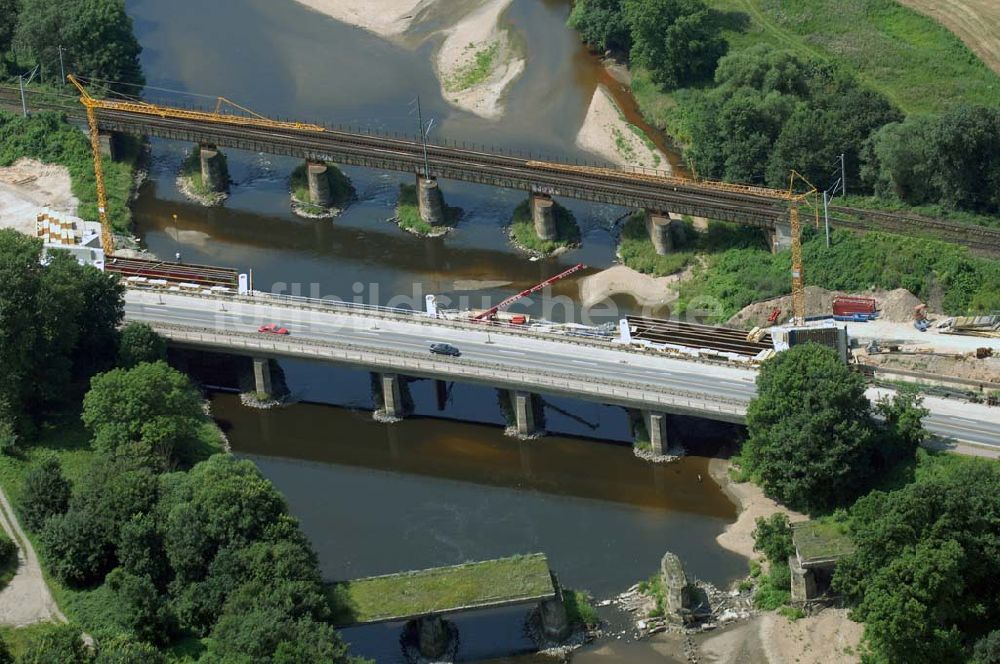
{"points": [[656, 192], [394, 344]]}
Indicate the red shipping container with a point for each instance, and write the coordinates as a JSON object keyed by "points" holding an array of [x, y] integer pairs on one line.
{"points": [[846, 306]]}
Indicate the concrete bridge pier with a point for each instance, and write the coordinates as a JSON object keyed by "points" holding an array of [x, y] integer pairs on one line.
{"points": [[392, 397], [660, 229], [524, 412], [430, 201], [213, 168], [803, 581], [780, 236], [543, 214], [433, 636], [262, 377], [656, 425], [555, 623], [319, 184]]}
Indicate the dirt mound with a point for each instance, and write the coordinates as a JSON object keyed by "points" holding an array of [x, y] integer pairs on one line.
{"points": [[896, 305]]}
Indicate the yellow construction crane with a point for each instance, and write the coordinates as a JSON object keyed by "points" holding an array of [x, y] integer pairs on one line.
{"points": [[798, 285], [219, 114]]}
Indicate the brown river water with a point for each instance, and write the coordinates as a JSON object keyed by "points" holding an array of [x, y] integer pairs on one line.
{"points": [[444, 486]]}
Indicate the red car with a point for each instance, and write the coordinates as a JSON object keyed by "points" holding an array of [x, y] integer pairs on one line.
{"points": [[272, 328]]}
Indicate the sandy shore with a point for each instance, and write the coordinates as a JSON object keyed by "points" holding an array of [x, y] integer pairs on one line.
{"points": [[387, 18], [752, 503], [648, 291], [477, 61], [606, 132], [28, 187]]}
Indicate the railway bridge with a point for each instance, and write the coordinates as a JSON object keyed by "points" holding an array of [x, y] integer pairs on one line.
{"points": [[659, 194]]}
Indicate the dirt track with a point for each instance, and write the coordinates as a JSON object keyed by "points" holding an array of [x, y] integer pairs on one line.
{"points": [[976, 22], [26, 600]]}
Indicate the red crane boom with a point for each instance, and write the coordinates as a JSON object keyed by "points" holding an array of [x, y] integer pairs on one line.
{"points": [[489, 313]]}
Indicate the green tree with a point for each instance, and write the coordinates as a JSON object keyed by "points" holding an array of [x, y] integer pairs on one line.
{"points": [[923, 574], [602, 24], [20, 272], [140, 550], [676, 40], [140, 609], [140, 343], [8, 20], [73, 554], [987, 649], [810, 439], [773, 538], [46, 492], [97, 34], [5, 655], [148, 411]]}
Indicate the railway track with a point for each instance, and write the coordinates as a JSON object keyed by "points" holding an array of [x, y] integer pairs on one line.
{"points": [[743, 204]]}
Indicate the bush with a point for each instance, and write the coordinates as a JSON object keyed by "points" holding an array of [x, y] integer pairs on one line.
{"points": [[773, 538], [57, 644], [580, 609], [140, 343], [46, 493]]}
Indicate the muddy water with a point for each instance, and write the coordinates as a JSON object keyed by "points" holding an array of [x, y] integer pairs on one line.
{"points": [[444, 486]]}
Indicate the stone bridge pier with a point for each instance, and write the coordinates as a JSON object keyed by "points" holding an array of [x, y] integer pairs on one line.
{"points": [[214, 174], [780, 236], [543, 214], [106, 141], [662, 230], [319, 184], [430, 200]]}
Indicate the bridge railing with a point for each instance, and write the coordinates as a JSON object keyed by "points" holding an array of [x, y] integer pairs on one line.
{"points": [[592, 337], [606, 389]]}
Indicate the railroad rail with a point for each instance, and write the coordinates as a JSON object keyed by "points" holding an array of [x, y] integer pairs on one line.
{"points": [[635, 188], [720, 339], [202, 275]]}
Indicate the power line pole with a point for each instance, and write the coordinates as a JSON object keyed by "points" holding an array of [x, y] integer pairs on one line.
{"points": [[62, 68], [826, 215], [24, 105], [843, 176], [423, 138]]}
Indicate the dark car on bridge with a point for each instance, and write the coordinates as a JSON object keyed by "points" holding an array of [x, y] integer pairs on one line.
{"points": [[445, 349]]}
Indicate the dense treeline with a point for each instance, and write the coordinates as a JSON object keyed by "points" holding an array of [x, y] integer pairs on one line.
{"points": [[156, 540], [95, 36], [677, 41], [58, 326], [770, 111], [922, 576]]}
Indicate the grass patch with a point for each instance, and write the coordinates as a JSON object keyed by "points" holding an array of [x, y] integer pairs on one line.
{"points": [[440, 589], [484, 60], [775, 587], [48, 138], [522, 230], [653, 587], [918, 63], [8, 559], [793, 613], [408, 213], [580, 609], [341, 189]]}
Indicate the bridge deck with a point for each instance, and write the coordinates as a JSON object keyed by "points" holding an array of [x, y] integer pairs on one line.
{"points": [[439, 590]]}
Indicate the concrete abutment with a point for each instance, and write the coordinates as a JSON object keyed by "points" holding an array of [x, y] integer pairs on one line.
{"points": [[555, 622], [803, 581]]}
